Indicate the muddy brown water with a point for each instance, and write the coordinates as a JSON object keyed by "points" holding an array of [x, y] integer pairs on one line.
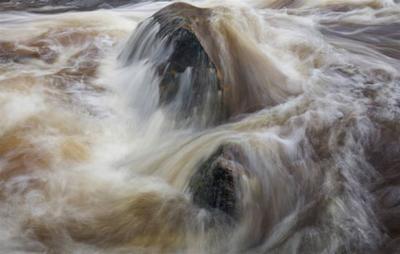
{"points": [[306, 161]]}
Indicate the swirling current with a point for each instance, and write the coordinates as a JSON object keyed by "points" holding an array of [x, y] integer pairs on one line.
{"points": [[200, 127]]}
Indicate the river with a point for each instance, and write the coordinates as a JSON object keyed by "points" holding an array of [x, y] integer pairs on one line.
{"points": [[272, 127]]}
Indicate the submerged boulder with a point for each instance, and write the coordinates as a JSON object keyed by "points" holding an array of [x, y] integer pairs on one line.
{"points": [[215, 185], [210, 70], [189, 85]]}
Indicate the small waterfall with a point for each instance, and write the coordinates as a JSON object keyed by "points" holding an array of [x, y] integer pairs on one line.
{"points": [[259, 127], [188, 86]]}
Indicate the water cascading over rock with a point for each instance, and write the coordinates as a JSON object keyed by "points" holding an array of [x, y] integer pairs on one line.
{"points": [[207, 73], [216, 183], [189, 85], [240, 128]]}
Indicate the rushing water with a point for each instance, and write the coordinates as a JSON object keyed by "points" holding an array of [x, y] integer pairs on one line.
{"points": [[91, 163]]}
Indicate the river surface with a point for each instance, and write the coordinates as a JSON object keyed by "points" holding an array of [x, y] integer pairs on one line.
{"points": [[91, 163]]}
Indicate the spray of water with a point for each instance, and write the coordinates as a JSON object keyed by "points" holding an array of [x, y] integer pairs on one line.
{"points": [[281, 134]]}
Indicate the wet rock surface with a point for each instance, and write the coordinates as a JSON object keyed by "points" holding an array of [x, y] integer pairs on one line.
{"points": [[208, 73], [189, 84], [215, 185]]}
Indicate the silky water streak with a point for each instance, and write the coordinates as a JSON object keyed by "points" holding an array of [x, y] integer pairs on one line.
{"points": [[281, 134]]}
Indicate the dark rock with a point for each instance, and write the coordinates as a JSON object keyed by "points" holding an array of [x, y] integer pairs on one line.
{"points": [[208, 73], [189, 85], [215, 185]]}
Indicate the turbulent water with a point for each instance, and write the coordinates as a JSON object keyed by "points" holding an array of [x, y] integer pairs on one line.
{"points": [[91, 163]]}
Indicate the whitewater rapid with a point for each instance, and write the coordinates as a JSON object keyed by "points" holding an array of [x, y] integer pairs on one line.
{"points": [[90, 162]]}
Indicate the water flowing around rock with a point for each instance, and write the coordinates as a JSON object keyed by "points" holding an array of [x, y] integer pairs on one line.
{"points": [[255, 126]]}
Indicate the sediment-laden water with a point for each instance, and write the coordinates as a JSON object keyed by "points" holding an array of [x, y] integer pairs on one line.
{"points": [[254, 126]]}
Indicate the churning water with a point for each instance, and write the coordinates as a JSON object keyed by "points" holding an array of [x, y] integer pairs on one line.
{"points": [[299, 110]]}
